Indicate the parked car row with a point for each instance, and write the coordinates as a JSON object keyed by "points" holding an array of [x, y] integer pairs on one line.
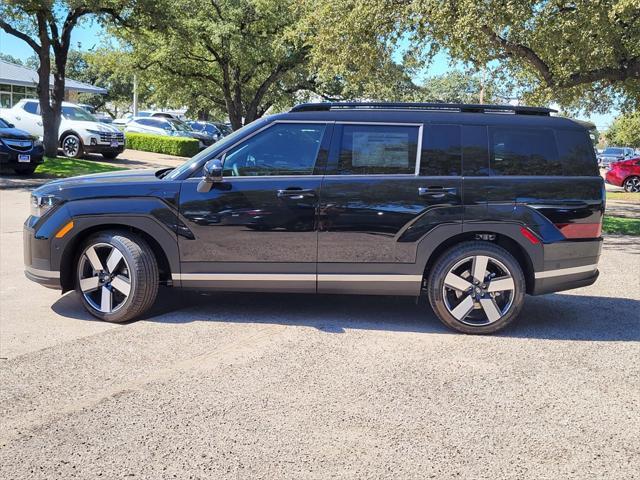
{"points": [[615, 154], [80, 132]]}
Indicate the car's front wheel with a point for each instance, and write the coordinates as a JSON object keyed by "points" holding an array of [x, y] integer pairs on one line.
{"points": [[117, 276], [476, 287], [632, 184], [72, 146]]}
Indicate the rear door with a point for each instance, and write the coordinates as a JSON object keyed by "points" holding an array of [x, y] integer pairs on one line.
{"points": [[256, 230], [382, 194]]}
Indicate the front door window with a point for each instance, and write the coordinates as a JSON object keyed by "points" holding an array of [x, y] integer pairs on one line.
{"points": [[282, 149]]}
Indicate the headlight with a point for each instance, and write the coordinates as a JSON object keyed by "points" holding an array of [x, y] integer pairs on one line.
{"points": [[41, 204], [37, 142]]}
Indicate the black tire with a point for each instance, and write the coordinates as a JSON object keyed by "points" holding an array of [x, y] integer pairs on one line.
{"points": [[25, 170], [141, 271], [110, 155], [444, 299], [71, 145], [632, 184]]}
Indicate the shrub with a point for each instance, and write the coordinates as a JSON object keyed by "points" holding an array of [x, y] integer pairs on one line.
{"points": [[180, 146]]}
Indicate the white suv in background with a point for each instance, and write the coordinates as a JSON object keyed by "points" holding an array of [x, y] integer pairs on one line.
{"points": [[80, 132]]}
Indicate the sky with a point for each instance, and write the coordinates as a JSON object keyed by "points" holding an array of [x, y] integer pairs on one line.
{"points": [[88, 35]]}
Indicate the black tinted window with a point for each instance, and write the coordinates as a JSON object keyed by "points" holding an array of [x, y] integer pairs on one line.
{"points": [[282, 149], [441, 152], [576, 153], [31, 107], [377, 149], [475, 154], [523, 151]]}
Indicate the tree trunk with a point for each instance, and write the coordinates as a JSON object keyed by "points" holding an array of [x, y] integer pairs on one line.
{"points": [[50, 121]]}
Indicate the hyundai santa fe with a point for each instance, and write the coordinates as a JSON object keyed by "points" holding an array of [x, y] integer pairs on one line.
{"points": [[469, 206]]}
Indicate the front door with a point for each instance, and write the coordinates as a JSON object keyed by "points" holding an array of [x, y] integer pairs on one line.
{"points": [[256, 230], [384, 192]]}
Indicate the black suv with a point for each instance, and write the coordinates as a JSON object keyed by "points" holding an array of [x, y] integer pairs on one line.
{"points": [[471, 206]]}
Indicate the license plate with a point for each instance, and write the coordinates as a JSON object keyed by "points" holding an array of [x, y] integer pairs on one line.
{"points": [[24, 158], [114, 143]]}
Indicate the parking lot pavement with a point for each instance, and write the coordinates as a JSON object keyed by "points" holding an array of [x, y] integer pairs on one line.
{"points": [[298, 386]]}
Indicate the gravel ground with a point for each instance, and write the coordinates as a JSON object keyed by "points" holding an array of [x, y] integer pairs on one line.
{"points": [[298, 386]]}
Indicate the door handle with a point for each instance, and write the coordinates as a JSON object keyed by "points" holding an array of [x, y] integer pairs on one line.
{"points": [[18, 118], [296, 193], [437, 191]]}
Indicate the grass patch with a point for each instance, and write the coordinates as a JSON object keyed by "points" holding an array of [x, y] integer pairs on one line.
{"points": [[625, 196], [621, 225], [71, 167]]}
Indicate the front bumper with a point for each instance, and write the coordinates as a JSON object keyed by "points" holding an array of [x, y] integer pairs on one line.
{"points": [[103, 148], [37, 259], [9, 158]]}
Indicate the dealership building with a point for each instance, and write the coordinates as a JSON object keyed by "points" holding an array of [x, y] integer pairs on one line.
{"points": [[18, 82]]}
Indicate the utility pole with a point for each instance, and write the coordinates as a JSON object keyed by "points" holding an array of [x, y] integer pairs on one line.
{"points": [[135, 95]]}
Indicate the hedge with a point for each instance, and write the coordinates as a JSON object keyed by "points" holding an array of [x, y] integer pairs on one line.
{"points": [[180, 146]]}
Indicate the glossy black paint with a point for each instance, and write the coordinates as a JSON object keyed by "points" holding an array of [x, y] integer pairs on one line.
{"points": [[9, 155], [336, 224]]}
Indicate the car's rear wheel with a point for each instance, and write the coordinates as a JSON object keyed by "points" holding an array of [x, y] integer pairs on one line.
{"points": [[476, 287], [72, 146], [632, 184], [117, 276]]}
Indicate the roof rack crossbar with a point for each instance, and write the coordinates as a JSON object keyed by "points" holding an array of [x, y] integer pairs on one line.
{"points": [[444, 107]]}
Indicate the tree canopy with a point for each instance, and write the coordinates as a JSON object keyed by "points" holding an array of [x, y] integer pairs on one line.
{"points": [[583, 54], [625, 131]]}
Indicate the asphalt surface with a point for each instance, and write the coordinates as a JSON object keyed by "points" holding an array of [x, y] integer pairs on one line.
{"points": [[297, 386]]}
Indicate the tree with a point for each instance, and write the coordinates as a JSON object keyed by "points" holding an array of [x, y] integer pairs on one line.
{"points": [[236, 56], [46, 26], [581, 53], [625, 131], [458, 87]]}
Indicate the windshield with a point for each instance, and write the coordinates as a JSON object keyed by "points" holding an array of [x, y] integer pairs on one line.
{"points": [[218, 146], [77, 113], [179, 125], [613, 151]]}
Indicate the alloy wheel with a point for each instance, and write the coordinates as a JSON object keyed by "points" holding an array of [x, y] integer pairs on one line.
{"points": [[632, 184], [104, 277], [478, 290], [71, 146]]}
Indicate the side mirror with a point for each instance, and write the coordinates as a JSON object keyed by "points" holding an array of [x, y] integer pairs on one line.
{"points": [[212, 174]]}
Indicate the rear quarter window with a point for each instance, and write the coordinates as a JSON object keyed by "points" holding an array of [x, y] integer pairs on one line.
{"points": [[523, 151], [576, 154]]}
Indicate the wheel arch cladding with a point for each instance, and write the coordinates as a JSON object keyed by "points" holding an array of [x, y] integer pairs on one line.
{"points": [[69, 132], [431, 251], [164, 249]]}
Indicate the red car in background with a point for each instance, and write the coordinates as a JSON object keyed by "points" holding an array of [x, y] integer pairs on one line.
{"points": [[625, 174]]}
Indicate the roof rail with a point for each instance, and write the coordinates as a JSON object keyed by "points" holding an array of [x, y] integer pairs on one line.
{"points": [[439, 107]]}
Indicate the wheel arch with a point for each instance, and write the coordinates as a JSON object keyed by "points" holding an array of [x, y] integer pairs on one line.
{"points": [[70, 253], [68, 132], [526, 256]]}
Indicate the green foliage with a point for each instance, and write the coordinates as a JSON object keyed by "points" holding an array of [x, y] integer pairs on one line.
{"points": [[621, 225], [583, 54], [625, 131], [180, 146], [70, 167]]}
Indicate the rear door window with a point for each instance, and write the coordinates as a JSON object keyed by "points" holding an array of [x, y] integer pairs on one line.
{"points": [[523, 151], [575, 150], [377, 149], [31, 107], [441, 151]]}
